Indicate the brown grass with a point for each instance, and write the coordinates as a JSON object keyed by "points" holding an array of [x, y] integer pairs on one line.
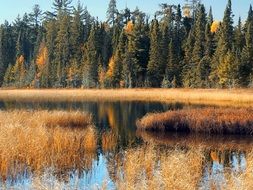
{"points": [[207, 120], [239, 97], [36, 141]]}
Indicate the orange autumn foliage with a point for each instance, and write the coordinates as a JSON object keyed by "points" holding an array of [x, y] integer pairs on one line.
{"points": [[21, 59], [42, 57], [215, 26], [111, 68], [129, 27]]}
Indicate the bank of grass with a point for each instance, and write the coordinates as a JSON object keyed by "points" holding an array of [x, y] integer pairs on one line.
{"points": [[35, 141], [239, 97], [206, 120]]}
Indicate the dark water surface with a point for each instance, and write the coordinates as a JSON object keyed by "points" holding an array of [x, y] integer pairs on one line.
{"points": [[116, 121]]}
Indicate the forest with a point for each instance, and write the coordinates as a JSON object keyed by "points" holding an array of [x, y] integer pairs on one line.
{"points": [[69, 48]]}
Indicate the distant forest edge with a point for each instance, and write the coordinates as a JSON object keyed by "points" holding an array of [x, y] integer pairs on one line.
{"points": [[69, 48]]}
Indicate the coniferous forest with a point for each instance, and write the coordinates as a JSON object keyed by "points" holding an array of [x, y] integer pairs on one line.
{"points": [[69, 48]]}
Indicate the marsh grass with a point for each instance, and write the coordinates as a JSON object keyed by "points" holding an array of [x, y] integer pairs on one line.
{"points": [[149, 167], [239, 97], [207, 120], [146, 168], [109, 141], [34, 141]]}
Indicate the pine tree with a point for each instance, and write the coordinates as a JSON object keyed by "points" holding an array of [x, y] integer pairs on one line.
{"points": [[77, 33], [187, 63], [227, 28], [246, 66], [239, 37], [227, 71], [112, 11], [172, 63], [155, 68], [62, 51], [51, 35], [199, 47], [210, 16], [225, 43], [117, 75], [90, 61]]}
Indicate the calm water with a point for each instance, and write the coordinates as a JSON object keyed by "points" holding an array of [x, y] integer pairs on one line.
{"points": [[116, 121]]}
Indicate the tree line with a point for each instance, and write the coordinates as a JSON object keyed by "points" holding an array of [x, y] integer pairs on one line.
{"points": [[69, 48]]}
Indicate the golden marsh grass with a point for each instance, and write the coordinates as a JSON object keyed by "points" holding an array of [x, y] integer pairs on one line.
{"points": [[36, 141], [206, 120], [150, 168], [141, 169], [239, 97]]}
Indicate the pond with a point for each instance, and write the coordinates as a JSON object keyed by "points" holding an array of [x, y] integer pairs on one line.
{"points": [[129, 159]]}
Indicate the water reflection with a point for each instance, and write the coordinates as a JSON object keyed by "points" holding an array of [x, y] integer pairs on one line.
{"points": [[126, 158]]}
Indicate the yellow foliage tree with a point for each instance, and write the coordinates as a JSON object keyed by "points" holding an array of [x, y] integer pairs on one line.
{"points": [[42, 57], [129, 27], [109, 73], [215, 26], [21, 59]]}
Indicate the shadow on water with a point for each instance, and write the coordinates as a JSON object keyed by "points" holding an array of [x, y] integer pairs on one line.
{"points": [[116, 125]]}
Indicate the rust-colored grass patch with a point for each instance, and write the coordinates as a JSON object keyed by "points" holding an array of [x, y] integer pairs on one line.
{"points": [[207, 120]]}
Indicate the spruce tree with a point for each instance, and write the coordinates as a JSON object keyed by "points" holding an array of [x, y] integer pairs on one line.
{"points": [[112, 11], [227, 28], [90, 61], [199, 46], [62, 51], [155, 68]]}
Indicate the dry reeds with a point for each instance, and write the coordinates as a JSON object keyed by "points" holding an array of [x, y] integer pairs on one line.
{"points": [[239, 97], [35, 141], [146, 168], [207, 120], [109, 141]]}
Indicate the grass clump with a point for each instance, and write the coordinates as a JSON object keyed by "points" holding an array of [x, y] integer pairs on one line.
{"points": [[207, 120], [38, 140]]}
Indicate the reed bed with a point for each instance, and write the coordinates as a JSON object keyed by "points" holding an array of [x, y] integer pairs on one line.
{"points": [[149, 167], [35, 141], [146, 168], [207, 120], [239, 97], [109, 141]]}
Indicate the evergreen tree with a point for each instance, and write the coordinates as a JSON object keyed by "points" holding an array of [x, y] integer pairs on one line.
{"points": [[227, 28], [227, 71], [62, 51], [112, 11], [155, 69], [90, 61], [210, 16], [77, 33], [117, 75]]}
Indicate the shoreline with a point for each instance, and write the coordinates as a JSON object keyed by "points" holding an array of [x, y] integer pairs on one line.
{"points": [[235, 97]]}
